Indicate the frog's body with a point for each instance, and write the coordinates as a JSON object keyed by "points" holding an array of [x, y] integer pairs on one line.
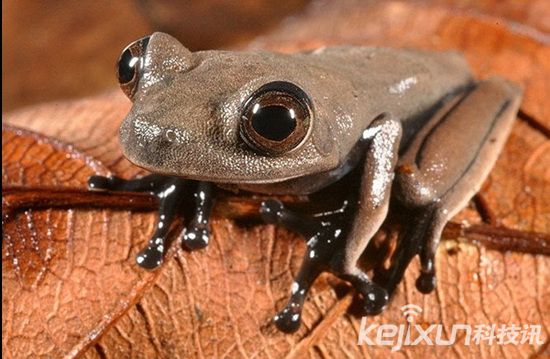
{"points": [[415, 119], [413, 75], [350, 87]]}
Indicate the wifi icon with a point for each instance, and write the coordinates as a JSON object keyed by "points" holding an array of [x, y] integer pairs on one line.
{"points": [[410, 311]]}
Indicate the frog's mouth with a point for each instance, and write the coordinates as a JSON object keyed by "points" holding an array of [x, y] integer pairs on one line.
{"points": [[171, 152]]}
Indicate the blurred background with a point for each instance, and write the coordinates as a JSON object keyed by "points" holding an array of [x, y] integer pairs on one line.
{"points": [[62, 49]]}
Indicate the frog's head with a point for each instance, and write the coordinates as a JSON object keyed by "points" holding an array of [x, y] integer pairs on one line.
{"points": [[228, 117]]}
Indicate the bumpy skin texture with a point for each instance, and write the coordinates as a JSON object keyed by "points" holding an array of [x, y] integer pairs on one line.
{"points": [[408, 130], [196, 98]]}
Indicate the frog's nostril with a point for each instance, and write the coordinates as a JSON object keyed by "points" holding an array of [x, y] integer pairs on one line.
{"points": [[170, 135]]}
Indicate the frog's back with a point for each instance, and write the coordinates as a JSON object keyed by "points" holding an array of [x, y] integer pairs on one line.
{"points": [[379, 65], [407, 82]]}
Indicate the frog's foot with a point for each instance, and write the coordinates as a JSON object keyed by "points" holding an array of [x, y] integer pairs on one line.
{"points": [[422, 233], [151, 183], [374, 297], [273, 211], [289, 319], [170, 192], [321, 255]]}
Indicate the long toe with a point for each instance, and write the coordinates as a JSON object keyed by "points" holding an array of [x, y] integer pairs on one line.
{"points": [[271, 210]]}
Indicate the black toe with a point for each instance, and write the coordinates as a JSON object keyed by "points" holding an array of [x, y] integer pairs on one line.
{"points": [[270, 210], [196, 238], [426, 283], [288, 321], [150, 257], [375, 299], [99, 183]]}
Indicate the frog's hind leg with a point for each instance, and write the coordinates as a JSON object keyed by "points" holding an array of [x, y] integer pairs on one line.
{"points": [[444, 167]]}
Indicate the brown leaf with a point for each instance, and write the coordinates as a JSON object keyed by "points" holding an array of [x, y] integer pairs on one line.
{"points": [[67, 274], [219, 301]]}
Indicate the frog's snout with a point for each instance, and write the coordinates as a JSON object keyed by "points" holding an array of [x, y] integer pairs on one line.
{"points": [[150, 145], [137, 131]]}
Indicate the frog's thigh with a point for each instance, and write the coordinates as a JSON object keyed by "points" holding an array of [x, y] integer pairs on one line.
{"points": [[455, 151], [449, 160]]}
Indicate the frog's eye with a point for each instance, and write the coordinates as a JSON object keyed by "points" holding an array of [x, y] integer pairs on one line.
{"points": [[129, 66], [276, 118]]}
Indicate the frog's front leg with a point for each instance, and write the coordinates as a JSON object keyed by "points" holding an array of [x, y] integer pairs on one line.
{"points": [[444, 167], [314, 262], [329, 248], [384, 136], [171, 193], [197, 232]]}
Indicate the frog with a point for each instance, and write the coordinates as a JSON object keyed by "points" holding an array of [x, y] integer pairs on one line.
{"points": [[365, 130]]}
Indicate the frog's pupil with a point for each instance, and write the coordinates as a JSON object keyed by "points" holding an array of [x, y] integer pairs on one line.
{"points": [[126, 67], [275, 123]]}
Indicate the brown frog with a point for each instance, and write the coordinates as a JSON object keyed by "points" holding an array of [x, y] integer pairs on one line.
{"points": [[364, 129]]}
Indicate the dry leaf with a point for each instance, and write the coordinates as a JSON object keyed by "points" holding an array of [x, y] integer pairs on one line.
{"points": [[67, 274], [219, 302]]}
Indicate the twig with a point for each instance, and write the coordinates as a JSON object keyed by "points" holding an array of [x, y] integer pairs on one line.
{"points": [[484, 210], [16, 199], [534, 122], [500, 238]]}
